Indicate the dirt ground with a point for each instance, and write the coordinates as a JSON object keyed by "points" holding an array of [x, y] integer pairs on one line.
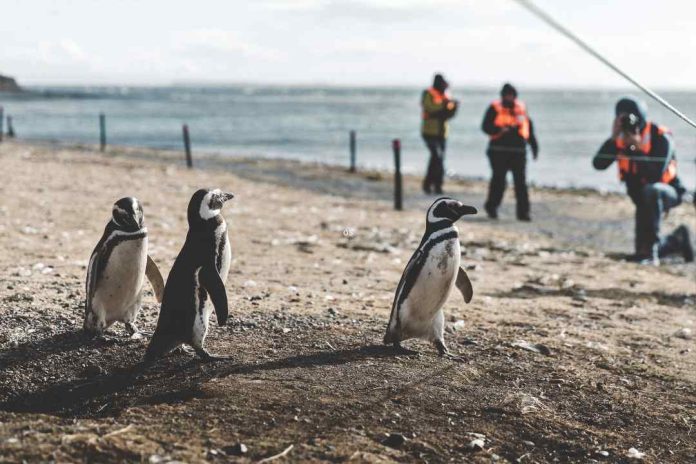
{"points": [[568, 354]]}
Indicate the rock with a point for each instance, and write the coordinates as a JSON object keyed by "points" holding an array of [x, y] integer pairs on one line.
{"points": [[394, 440], [528, 443], [458, 326], [634, 454], [238, 449], [534, 347], [249, 283], [92, 370], [9, 84], [603, 453], [476, 444], [684, 333]]}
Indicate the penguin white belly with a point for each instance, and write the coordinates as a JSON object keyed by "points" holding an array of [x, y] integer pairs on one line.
{"points": [[118, 290], [226, 260], [431, 289]]}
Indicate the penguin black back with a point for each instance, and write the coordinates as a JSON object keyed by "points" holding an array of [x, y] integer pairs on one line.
{"points": [[198, 273]]}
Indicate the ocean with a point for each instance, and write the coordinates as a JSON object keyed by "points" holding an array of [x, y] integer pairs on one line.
{"points": [[313, 123]]}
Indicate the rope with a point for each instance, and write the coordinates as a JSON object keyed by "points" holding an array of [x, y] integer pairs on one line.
{"points": [[541, 14]]}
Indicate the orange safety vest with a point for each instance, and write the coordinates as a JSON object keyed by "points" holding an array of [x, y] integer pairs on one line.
{"points": [[438, 98], [629, 166], [517, 116]]}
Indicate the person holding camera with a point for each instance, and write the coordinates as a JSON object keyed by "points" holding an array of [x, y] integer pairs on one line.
{"points": [[510, 130], [645, 156], [437, 107]]}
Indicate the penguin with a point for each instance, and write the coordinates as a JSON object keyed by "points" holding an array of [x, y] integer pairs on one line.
{"points": [[199, 274], [117, 269], [428, 279]]}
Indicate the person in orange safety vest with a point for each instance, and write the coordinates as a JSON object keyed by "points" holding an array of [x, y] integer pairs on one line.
{"points": [[510, 130], [437, 107], [646, 162]]}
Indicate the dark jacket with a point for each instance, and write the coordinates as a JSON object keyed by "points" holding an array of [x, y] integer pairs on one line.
{"points": [[511, 140], [650, 167]]}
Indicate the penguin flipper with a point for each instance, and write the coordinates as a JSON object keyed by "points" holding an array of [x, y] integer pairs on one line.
{"points": [[464, 285], [155, 277], [92, 278], [211, 281]]}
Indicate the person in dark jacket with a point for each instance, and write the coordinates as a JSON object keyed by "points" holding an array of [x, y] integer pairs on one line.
{"points": [[437, 108], [510, 129], [645, 156]]}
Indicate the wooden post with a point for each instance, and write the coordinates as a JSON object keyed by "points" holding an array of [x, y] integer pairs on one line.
{"points": [[102, 131], [398, 201], [187, 146], [352, 151], [10, 128], [2, 111]]}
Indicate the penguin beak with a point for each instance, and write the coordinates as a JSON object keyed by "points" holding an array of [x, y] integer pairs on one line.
{"points": [[464, 210], [226, 196]]}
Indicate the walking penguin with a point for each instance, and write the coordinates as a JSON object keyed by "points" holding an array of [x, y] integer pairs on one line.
{"points": [[428, 279], [117, 270], [199, 273]]}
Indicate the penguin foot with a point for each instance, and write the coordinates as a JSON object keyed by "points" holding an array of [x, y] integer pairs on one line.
{"points": [[444, 352], [441, 348], [183, 349], [207, 357], [401, 350]]}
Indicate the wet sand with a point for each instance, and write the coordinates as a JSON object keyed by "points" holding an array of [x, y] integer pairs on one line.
{"points": [[567, 352]]}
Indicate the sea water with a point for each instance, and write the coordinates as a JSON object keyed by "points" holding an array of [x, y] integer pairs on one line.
{"points": [[313, 123]]}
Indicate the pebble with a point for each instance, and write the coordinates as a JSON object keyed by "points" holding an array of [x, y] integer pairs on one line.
{"points": [[528, 443], [92, 370], [476, 444], [394, 440], [459, 325], [685, 333], [238, 449], [634, 454], [603, 453]]}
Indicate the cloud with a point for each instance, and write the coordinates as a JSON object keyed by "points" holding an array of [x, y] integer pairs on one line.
{"points": [[215, 42], [61, 51]]}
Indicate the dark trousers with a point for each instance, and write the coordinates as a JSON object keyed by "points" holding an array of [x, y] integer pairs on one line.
{"points": [[652, 202], [501, 163], [435, 175]]}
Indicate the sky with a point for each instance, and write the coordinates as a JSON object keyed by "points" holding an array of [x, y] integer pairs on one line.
{"points": [[344, 42]]}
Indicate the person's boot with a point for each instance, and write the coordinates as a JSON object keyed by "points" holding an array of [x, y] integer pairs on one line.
{"points": [[491, 212], [524, 217], [438, 190], [651, 256], [426, 187], [679, 241]]}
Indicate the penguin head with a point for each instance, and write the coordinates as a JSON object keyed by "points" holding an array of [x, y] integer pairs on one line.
{"points": [[127, 214], [448, 209], [206, 204]]}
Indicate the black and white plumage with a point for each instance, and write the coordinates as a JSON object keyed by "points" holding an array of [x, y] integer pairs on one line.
{"points": [[117, 269], [199, 274], [429, 277]]}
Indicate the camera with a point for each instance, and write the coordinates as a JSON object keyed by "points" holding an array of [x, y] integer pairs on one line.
{"points": [[630, 123]]}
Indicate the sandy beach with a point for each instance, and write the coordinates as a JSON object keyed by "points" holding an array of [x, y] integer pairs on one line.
{"points": [[568, 353]]}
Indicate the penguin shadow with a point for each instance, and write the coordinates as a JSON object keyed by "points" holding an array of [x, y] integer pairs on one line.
{"points": [[173, 379], [34, 351], [676, 300]]}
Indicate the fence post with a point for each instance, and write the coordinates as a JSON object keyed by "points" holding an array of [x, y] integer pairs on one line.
{"points": [[102, 131], [10, 127], [2, 118], [187, 145], [398, 201], [352, 151]]}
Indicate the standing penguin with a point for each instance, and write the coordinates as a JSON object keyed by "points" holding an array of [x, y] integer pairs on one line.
{"points": [[199, 272], [428, 279], [117, 270]]}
